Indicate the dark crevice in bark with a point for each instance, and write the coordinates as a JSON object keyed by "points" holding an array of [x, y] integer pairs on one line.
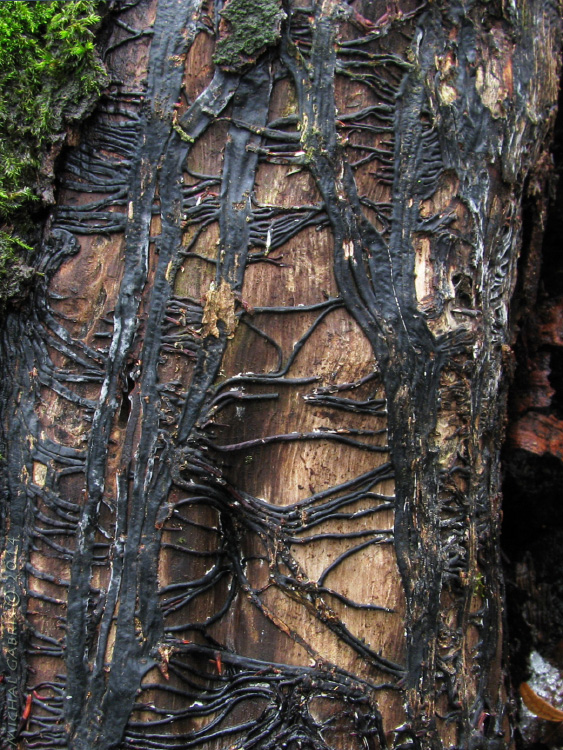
{"points": [[532, 456]]}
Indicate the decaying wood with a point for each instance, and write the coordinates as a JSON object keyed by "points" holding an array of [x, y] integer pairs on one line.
{"points": [[252, 419], [538, 705]]}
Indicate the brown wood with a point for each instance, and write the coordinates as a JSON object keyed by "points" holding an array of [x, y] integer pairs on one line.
{"points": [[156, 446]]}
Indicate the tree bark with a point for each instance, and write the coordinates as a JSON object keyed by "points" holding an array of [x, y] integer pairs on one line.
{"points": [[252, 415]]}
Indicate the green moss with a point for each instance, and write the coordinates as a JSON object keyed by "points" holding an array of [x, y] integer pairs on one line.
{"points": [[50, 76], [49, 73], [16, 277], [253, 25]]}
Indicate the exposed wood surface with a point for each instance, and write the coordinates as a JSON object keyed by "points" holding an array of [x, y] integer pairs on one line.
{"points": [[252, 418]]}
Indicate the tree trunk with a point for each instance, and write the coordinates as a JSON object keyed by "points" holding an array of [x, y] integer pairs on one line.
{"points": [[252, 415]]}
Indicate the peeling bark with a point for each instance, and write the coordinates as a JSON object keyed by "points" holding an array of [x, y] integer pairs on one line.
{"points": [[252, 419]]}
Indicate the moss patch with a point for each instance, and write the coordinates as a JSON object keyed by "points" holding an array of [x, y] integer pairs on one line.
{"points": [[50, 77], [49, 74], [16, 278], [249, 27]]}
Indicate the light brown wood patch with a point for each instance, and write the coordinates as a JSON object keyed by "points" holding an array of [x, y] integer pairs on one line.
{"points": [[538, 706]]}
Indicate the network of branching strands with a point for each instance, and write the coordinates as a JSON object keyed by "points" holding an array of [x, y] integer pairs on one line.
{"points": [[135, 546]]}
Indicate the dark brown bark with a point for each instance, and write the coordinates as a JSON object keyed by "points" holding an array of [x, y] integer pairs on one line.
{"points": [[252, 418]]}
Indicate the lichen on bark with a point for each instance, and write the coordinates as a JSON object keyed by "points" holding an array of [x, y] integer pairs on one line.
{"points": [[251, 26]]}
